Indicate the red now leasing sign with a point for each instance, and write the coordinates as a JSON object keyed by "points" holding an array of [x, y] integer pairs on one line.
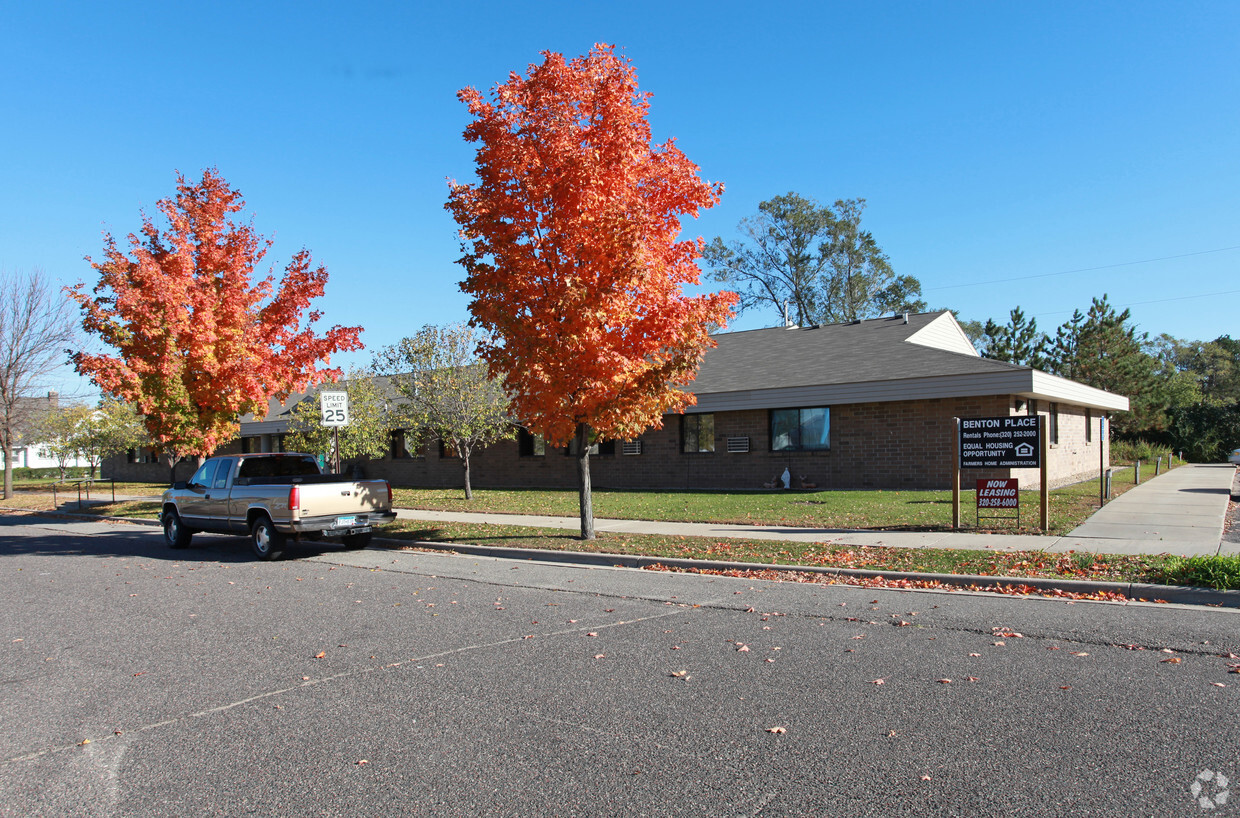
{"points": [[1002, 493]]}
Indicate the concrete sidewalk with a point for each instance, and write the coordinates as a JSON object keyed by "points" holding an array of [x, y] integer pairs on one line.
{"points": [[1180, 512]]}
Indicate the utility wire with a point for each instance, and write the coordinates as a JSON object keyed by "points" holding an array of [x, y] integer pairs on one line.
{"points": [[1088, 270], [1143, 303]]}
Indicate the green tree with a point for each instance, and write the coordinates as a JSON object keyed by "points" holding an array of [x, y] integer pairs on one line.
{"points": [[59, 433], [371, 420], [861, 283], [814, 261], [1103, 349], [447, 392], [1017, 342], [113, 426], [780, 261]]}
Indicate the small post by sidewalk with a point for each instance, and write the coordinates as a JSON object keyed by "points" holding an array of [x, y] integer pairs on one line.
{"points": [[1045, 504], [956, 478], [1137, 474]]}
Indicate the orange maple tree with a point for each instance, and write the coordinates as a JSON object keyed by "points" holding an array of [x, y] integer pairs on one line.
{"points": [[570, 241], [197, 344]]}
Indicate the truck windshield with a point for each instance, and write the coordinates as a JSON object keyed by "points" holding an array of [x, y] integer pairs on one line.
{"points": [[278, 466]]}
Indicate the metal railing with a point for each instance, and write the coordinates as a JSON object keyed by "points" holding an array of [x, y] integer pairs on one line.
{"points": [[79, 483]]}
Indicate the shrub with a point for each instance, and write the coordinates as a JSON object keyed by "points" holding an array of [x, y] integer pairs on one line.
{"points": [[1222, 572], [1130, 451]]}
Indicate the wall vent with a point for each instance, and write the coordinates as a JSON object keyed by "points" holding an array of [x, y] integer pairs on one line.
{"points": [[631, 447], [738, 445]]}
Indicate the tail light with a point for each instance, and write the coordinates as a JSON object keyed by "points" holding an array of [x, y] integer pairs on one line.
{"points": [[389, 488], [294, 501]]}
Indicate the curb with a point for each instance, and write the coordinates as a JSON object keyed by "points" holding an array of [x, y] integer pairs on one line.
{"points": [[1173, 594], [1135, 591]]}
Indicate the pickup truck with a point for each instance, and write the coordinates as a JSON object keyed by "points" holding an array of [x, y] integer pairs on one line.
{"points": [[274, 498]]}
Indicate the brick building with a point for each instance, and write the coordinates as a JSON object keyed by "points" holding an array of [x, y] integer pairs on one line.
{"points": [[863, 405]]}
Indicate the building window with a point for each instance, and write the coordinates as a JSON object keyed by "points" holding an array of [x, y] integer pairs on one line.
{"points": [[801, 430], [1033, 408], [598, 447], [247, 445], [1052, 423], [1089, 425], [697, 433], [396, 444], [530, 445]]}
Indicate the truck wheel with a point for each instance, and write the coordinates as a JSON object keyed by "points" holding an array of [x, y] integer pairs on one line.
{"points": [[175, 532], [268, 543], [356, 540]]}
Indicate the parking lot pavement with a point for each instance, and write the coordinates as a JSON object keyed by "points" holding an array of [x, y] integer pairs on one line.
{"points": [[142, 681]]}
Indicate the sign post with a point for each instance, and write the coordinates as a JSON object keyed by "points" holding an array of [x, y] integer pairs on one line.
{"points": [[335, 408]]}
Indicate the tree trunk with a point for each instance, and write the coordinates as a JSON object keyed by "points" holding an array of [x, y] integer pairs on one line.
{"points": [[8, 472], [469, 492], [583, 482]]}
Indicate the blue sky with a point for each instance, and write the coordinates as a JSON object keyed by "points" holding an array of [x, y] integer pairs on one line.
{"points": [[998, 145]]}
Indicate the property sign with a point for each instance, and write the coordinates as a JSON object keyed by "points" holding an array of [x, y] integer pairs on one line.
{"points": [[1003, 493], [1000, 443], [335, 406]]}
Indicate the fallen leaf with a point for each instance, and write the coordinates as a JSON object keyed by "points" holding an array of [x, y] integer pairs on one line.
{"points": [[84, 742], [362, 761], [879, 682], [305, 678], [1079, 653], [1218, 684], [1174, 660], [944, 681], [591, 633], [998, 644], [970, 678], [743, 649], [680, 674], [321, 655], [599, 656], [777, 729], [925, 778], [975, 654]]}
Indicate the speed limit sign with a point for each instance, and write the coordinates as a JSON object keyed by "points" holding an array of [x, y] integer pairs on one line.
{"points": [[335, 406]]}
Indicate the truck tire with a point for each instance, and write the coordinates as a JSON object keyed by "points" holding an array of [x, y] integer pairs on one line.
{"points": [[268, 543], [356, 541], [175, 532]]}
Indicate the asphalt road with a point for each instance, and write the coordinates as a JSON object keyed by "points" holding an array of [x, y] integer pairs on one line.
{"points": [[138, 681]]}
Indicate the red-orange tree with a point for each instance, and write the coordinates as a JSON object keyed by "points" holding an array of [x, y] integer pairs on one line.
{"points": [[572, 258], [197, 343]]}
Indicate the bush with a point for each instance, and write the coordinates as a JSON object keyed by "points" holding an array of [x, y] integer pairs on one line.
{"points": [[1124, 452], [49, 473], [1222, 572]]}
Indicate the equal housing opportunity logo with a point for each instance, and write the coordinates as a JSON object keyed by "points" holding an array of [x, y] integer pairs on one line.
{"points": [[1209, 789]]}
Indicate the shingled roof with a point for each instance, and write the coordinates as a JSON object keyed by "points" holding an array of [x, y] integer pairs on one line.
{"points": [[911, 357]]}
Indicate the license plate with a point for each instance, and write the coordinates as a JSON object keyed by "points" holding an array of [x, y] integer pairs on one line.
{"points": [[345, 522]]}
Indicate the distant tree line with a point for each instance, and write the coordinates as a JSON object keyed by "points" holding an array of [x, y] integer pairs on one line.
{"points": [[1183, 393]]}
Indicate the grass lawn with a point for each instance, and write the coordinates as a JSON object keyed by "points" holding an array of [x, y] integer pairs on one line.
{"points": [[1002, 565], [1101, 567], [877, 510]]}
